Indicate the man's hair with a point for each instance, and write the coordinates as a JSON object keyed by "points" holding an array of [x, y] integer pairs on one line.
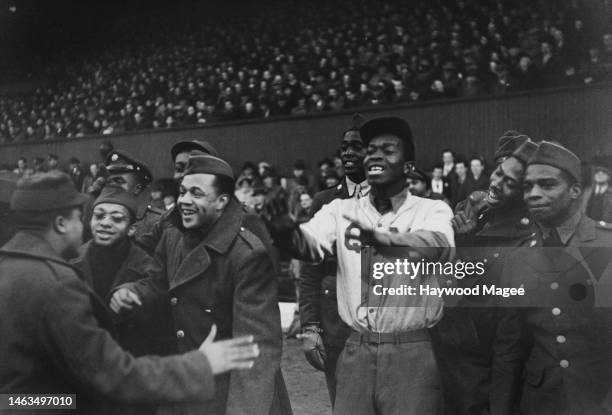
{"points": [[224, 185], [40, 220], [461, 161], [22, 159], [448, 150]]}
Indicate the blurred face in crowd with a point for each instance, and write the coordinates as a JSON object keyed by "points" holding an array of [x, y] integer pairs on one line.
{"points": [[71, 228], [110, 224], [352, 152], [52, 162], [199, 202], [305, 201], [461, 169], [21, 164], [331, 181], [325, 168], [93, 169], [447, 157], [416, 187], [437, 173], [506, 182], [550, 194], [601, 177], [180, 164], [384, 162], [127, 181], [476, 167]]}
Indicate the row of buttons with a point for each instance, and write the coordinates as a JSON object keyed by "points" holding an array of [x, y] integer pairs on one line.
{"points": [[180, 333], [560, 338]]}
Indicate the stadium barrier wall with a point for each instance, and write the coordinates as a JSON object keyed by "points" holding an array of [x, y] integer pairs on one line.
{"points": [[579, 117]]}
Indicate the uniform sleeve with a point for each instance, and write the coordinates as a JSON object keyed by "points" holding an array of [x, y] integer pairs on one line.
{"points": [[71, 337], [255, 312], [317, 237]]}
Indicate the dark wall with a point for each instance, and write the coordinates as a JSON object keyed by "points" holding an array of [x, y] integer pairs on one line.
{"points": [[580, 118]]}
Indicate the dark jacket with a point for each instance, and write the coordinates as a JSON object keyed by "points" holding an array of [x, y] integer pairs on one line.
{"points": [[606, 207], [465, 336], [148, 331], [568, 369], [225, 277], [55, 338], [318, 283]]}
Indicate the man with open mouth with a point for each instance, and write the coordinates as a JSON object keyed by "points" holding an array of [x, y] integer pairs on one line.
{"points": [[387, 365]]}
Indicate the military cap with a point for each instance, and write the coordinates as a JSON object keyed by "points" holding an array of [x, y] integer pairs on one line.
{"points": [[188, 146], [389, 125], [356, 123], [418, 175], [44, 192], [118, 196], [508, 143], [525, 151], [556, 155], [119, 161], [8, 182], [205, 164]]}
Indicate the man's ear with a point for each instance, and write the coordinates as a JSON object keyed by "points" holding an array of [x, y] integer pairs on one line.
{"points": [[59, 224], [408, 167], [575, 190], [131, 230], [223, 201]]}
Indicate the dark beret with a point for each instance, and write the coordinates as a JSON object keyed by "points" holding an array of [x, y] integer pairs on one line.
{"points": [[204, 164], [118, 196], [556, 155], [388, 125], [508, 143], [44, 192], [525, 151], [188, 146], [120, 161]]}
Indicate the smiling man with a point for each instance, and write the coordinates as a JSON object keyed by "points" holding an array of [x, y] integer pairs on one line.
{"points": [[111, 259], [387, 365], [211, 269]]}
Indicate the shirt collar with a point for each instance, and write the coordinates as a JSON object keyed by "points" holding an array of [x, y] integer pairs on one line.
{"points": [[351, 187], [567, 229], [396, 201]]}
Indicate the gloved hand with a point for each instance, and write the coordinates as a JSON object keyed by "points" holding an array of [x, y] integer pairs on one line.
{"points": [[312, 344]]}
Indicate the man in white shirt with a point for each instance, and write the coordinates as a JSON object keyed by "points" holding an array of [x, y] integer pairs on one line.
{"points": [[387, 365]]}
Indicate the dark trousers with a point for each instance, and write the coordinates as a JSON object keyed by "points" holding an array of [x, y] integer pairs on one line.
{"points": [[399, 378]]}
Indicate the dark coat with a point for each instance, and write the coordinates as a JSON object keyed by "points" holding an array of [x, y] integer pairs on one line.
{"points": [[465, 336], [55, 338], [569, 367], [606, 205], [225, 278], [148, 331], [318, 301]]}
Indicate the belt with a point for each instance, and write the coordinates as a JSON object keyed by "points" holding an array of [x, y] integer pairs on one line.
{"points": [[413, 336]]}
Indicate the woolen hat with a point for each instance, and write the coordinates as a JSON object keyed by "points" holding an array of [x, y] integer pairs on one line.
{"points": [[117, 195], [45, 192], [525, 151], [553, 154], [508, 143], [389, 125]]}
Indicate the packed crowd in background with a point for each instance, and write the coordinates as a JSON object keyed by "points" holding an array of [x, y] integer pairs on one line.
{"points": [[303, 58]]}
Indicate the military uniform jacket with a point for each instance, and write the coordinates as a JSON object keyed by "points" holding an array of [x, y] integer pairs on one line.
{"points": [[568, 368], [149, 330], [225, 277], [55, 338]]}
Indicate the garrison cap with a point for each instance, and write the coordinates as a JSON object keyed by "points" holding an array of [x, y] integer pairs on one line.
{"points": [[45, 192], [553, 154], [118, 196], [508, 143], [205, 164], [119, 161], [388, 125], [525, 151], [188, 146]]}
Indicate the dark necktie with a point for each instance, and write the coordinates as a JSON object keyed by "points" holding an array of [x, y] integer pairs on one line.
{"points": [[383, 205], [552, 239]]}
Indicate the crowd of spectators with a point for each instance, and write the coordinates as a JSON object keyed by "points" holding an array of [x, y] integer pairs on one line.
{"points": [[296, 58]]}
